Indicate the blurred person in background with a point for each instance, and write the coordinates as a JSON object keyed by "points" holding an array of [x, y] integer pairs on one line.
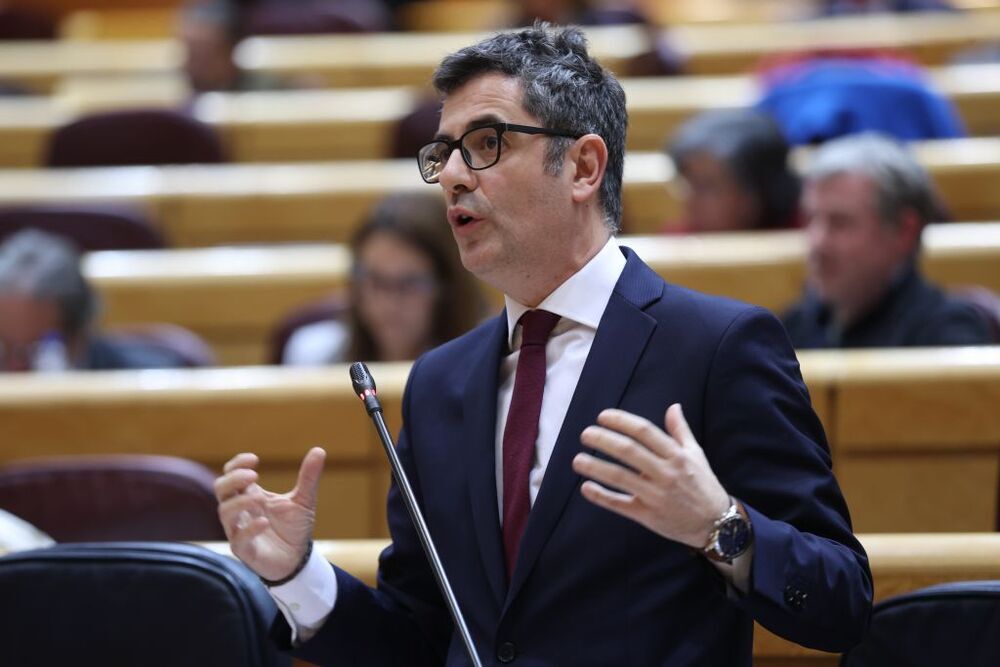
{"points": [[48, 311], [733, 173], [408, 290], [865, 204]]}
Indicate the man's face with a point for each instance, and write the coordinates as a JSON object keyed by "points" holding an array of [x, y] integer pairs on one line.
{"points": [[853, 255], [23, 322], [715, 201], [513, 222]]}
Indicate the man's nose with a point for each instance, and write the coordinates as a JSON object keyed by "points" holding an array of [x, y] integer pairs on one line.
{"points": [[456, 175]]}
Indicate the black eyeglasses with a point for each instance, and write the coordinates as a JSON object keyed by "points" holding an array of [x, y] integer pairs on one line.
{"points": [[480, 147]]}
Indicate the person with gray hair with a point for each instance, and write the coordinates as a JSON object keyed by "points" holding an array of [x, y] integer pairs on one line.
{"points": [[582, 516], [47, 312], [865, 203]]}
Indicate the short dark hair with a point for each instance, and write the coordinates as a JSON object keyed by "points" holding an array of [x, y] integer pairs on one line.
{"points": [[563, 87], [45, 266], [752, 146]]}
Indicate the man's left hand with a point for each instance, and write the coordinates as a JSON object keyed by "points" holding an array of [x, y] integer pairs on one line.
{"points": [[665, 483]]}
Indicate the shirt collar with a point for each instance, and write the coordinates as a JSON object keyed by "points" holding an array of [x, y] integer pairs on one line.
{"points": [[584, 295]]}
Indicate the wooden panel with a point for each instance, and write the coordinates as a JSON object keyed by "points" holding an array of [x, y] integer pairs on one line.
{"points": [[709, 49], [207, 290], [897, 484], [357, 123], [223, 204]]}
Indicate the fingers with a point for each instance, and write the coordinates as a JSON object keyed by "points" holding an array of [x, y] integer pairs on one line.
{"points": [[643, 431], [310, 472], [620, 503], [620, 447], [677, 426], [243, 460], [234, 483], [610, 474]]}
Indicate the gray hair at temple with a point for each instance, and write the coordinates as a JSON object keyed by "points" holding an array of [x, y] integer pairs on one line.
{"points": [[44, 266], [900, 182], [563, 87]]}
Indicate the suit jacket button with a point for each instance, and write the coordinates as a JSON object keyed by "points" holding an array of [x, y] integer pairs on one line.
{"points": [[507, 653]]}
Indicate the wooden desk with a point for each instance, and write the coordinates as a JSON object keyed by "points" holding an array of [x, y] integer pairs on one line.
{"points": [[241, 203], [357, 123], [915, 435], [233, 297]]}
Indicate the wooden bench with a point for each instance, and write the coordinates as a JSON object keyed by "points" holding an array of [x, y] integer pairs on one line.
{"points": [[357, 123], [408, 59], [915, 434], [202, 205], [210, 290], [931, 39], [899, 564]]}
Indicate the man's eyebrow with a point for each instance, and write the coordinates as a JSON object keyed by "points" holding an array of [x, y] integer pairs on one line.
{"points": [[478, 121]]}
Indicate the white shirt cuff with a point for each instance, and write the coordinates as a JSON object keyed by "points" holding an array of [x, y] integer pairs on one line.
{"points": [[307, 600]]}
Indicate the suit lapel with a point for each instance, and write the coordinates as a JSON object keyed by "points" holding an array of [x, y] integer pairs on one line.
{"points": [[620, 340], [480, 406]]}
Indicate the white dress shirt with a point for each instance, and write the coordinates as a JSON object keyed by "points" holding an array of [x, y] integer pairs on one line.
{"points": [[309, 598]]}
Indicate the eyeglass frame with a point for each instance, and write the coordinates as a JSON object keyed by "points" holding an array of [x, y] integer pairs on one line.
{"points": [[500, 128]]}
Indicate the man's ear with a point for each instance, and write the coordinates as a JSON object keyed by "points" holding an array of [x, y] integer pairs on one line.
{"points": [[908, 232], [589, 158]]}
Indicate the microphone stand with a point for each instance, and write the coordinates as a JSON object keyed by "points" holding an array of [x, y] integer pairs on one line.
{"points": [[364, 387]]}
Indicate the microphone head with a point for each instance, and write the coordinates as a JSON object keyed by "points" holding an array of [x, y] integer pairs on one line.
{"points": [[361, 379]]}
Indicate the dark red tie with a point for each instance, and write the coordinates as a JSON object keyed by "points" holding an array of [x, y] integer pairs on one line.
{"points": [[521, 430]]}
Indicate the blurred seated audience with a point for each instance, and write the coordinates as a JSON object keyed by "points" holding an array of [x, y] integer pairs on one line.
{"points": [[733, 173], [211, 29], [865, 204], [408, 290], [17, 534], [48, 313], [819, 96]]}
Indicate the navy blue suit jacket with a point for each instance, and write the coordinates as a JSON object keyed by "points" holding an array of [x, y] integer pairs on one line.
{"points": [[590, 587]]}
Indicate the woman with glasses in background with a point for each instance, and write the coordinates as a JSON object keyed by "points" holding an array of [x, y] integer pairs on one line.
{"points": [[408, 290]]}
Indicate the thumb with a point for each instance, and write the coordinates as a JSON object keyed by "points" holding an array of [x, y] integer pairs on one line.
{"points": [[678, 427], [310, 471]]}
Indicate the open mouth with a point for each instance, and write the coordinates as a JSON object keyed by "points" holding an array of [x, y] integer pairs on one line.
{"points": [[461, 217]]}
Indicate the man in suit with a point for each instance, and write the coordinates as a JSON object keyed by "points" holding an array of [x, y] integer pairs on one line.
{"points": [[679, 538]]}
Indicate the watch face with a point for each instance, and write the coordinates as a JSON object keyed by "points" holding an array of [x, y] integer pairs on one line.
{"points": [[734, 537]]}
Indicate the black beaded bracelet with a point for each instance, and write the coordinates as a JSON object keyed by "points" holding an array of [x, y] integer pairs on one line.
{"points": [[298, 568]]}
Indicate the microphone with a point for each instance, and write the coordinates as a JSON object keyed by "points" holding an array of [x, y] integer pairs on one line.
{"points": [[364, 387]]}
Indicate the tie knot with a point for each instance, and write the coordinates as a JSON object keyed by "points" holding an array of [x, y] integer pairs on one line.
{"points": [[536, 325]]}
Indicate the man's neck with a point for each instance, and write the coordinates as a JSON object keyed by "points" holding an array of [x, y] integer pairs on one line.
{"points": [[535, 289]]}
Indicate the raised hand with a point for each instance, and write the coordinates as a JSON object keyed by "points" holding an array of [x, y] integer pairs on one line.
{"points": [[268, 531], [663, 479]]}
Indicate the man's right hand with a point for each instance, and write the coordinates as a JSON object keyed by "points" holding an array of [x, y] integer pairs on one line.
{"points": [[270, 532]]}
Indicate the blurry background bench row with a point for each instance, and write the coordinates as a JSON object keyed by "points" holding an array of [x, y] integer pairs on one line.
{"points": [[203, 205], [235, 297], [102, 19], [915, 434], [363, 123], [408, 59]]}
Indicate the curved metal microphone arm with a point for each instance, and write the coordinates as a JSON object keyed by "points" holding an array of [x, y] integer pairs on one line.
{"points": [[364, 387]]}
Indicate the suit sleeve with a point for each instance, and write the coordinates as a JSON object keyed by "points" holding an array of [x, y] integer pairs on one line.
{"points": [[403, 621], [810, 581]]}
